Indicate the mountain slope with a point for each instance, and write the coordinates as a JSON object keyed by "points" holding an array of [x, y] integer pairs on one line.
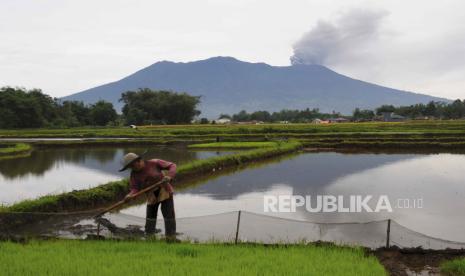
{"points": [[228, 85]]}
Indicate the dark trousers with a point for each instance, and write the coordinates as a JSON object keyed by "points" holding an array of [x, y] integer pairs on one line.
{"points": [[167, 210]]}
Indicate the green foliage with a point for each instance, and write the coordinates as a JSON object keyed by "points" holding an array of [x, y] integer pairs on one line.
{"points": [[236, 131], [75, 200], [224, 116], [454, 110], [159, 107], [21, 108], [363, 115], [232, 145], [74, 113], [74, 257], [102, 113], [242, 116], [295, 116], [14, 150], [454, 267], [264, 116], [385, 108], [207, 165], [204, 121]]}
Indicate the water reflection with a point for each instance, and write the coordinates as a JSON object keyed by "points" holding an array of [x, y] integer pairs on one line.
{"points": [[41, 161], [301, 172], [436, 178], [57, 170]]}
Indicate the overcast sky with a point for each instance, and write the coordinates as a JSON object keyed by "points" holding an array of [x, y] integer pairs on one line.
{"points": [[65, 47]]}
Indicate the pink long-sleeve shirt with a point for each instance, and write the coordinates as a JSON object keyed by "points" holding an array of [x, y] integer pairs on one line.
{"points": [[150, 174]]}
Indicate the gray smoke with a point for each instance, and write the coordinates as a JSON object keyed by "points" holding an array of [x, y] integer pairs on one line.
{"points": [[333, 42]]}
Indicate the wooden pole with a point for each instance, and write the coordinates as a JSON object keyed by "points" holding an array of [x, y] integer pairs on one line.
{"points": [[388, 233], [237, 228], [122, 202]]}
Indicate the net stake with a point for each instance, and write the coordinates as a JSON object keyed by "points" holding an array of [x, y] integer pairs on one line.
{"points": [[237, 228], [388, 232]]}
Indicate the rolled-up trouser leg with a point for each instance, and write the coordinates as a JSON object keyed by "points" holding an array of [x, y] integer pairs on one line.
{"points": [[167, 209], [151, 218]]}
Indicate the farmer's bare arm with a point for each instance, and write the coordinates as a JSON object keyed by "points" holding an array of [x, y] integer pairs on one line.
{"points": [[132, 189]]}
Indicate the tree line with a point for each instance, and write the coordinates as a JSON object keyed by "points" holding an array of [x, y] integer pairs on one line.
{"points": [[146, 106], [22, 108], [431, 110], [289, 115], [437, 110]]}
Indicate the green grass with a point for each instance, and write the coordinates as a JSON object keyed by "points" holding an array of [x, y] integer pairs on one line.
{"points": [[207, 165], [115, 142], [75, 200], [415, 127], [159, 258], [14, 150], [415, 134], [6, 148], [385, 144], [233, 145], [454, 267]]}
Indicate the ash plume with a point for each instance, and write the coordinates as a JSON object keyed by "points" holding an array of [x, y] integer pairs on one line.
{"points": [[345, 38]]}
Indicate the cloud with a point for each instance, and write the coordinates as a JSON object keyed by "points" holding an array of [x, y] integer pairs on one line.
{"points": [[332, 42], [372, 45]]}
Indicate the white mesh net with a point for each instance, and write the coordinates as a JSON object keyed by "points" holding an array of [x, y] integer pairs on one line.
{"points": [[249, 227]]}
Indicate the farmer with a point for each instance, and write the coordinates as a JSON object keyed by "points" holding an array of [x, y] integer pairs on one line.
{"points": [[145, 173]]}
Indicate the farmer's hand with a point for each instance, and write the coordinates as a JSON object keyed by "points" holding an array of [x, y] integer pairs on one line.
{"points": [[166, 180], [129, 197]]}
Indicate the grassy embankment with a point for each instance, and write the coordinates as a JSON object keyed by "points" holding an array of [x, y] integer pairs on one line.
{"points": [[233, 145], [110, 192], [454, 267], [13, 150], [189, 131], [132, 257], [411, 134]]}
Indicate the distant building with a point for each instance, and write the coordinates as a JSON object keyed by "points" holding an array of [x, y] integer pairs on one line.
{"points": [[223, 121], [319, 121], [392, 117], [424, 118], [338, 120], [253, 122]]}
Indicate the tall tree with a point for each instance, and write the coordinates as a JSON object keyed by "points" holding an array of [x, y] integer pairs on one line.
{"points": [[75, 113], [21, 108], [385, 108], [147, 106], [102, 112]]}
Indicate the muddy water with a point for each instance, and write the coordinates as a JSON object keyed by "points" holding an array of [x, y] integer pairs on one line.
{"points": [[426, 191], [57, 170]]}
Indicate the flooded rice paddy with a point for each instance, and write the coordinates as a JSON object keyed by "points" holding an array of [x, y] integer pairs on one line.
{"points": [[426, 191], [57, 170]]}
